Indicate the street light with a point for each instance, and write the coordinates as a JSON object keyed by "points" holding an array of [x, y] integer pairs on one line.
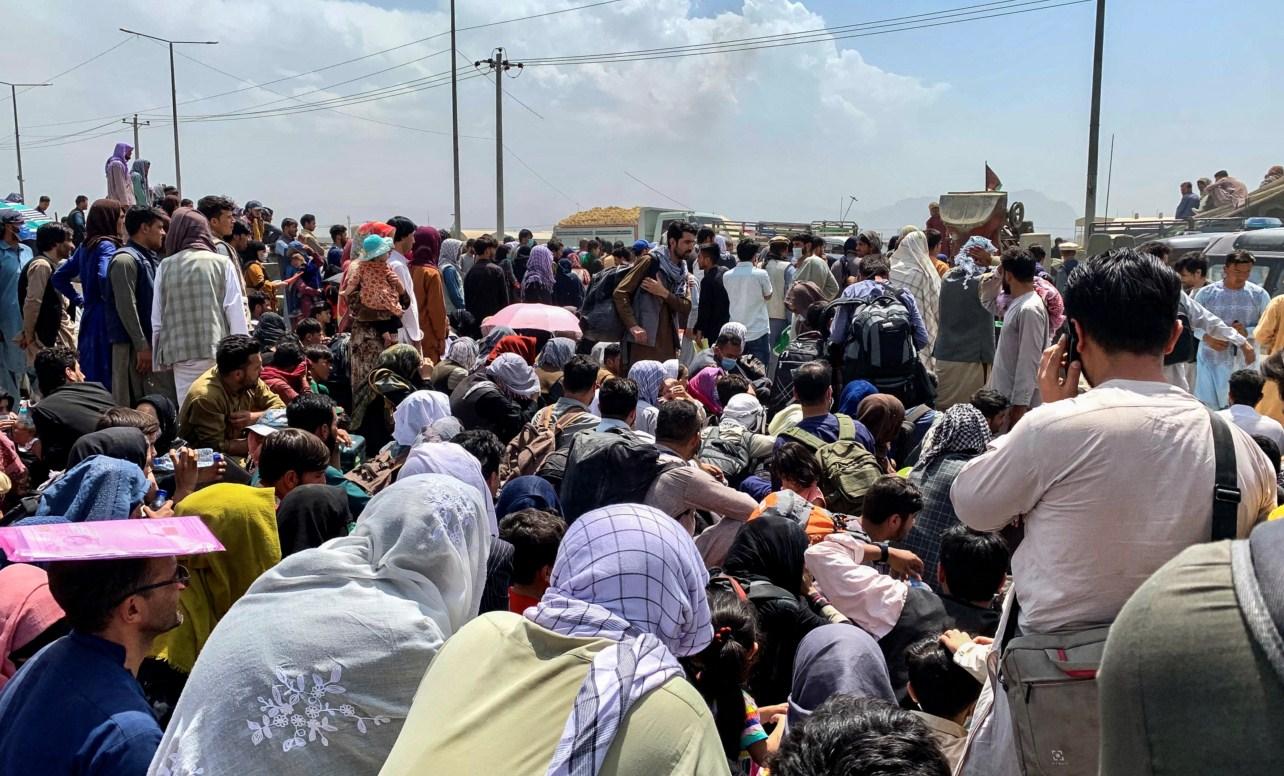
{"points": [[17, 144], [173, 94]]}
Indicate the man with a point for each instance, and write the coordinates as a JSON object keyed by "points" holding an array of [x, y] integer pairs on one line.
{"points": [[240, 239], [254, 216], [1066, 253], [70, 408], [814, 267], [1226, 191], [814, 393], [403, 244], [77, 707], [307, 233], [1188, 204], [748, 291], [221, 213], [535, 536], [338, 238], [846, 270], [289, 232], [227, 399], [76, 219], [591, 258], [1194, 273], [874, 281], [257, 302], [315, 413], [1024, 335], [292, 457], [934, 221], [858, 736], [724, 353], [42, 205], [1240, 303], [780, 271], [130, 293], [654, 298], [45, 322], [13, 257], [568, 416], [311, 332], [971, 573], [945, 694], [617, 400], [485, 287], [525, 237], [714, 304], [964, 349], [1245, 392]]}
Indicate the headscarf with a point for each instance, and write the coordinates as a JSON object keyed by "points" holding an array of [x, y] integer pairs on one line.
{"points": [[27, 609], [882, 414], [243, 519], [960, 429], [871, 238], [427, 247], [527, 492], [853, 394], [102, 222], [270, 330], [142, 167], [704, 388], [463, 352], [125, 444], [167, 416], [335, 640], [802, 295], [98, 488], [769, 548], [118, 155], [443, 430], [513, 375], [598, 353], [672, 368], [745, 411], [556, 353], [450, 459], [649, 375], [962, 259], [735, 330], [631, 574], [912, 251], [450, 248], [539, 268], [400, 363], [188, 229], [837, 660], [416, 413], [311, 515], [564, 267], [492, 337]]}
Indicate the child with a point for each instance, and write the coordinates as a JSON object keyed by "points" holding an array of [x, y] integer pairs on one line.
{"points": [[535, 536], [972, 571], [378, 290], [320, 361], [310, 332], [303, 283], [945, 693]]}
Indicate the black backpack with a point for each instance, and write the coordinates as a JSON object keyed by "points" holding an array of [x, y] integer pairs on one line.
{"points": [[598, 319], [1187, 347], [608, 467], [726, 446], [807, 347], [880, 337]]}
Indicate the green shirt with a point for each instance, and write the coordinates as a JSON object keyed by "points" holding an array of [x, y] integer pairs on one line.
{"points": [[204, 417]]}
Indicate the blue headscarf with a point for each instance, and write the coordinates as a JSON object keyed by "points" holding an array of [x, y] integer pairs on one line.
{"points": [[98, 488], [853, 393], [528, 492], [962, 259]]}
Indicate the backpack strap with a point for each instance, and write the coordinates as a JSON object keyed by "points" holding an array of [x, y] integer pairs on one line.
{"points": [[916, 414], [1226, 493], [806, 437], [846, 428]]}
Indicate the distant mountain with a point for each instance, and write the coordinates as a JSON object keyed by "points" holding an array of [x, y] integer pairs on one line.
{"points": [[1048, 215]]}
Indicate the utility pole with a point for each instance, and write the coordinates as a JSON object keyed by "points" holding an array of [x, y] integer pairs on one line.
{"points": [[138, 154], [17, 142], [1094, 125], [173, 95], [454, 120], [498, 65]]}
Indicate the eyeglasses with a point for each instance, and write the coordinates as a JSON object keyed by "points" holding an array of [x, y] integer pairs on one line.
{"points": [[181, 577]]}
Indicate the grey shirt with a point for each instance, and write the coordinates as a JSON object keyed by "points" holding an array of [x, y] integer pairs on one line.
{"points": [[966, 330], [1021, 344]]}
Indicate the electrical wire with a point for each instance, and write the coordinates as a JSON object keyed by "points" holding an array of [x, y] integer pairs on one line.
{"points": [[77, 66]]}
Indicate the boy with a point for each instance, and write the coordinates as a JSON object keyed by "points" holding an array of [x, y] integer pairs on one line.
{"points": [[310, 332], [972, 570], [535, 536], [945, 694], [320, 361]]}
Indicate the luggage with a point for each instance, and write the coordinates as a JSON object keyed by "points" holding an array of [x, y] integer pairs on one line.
{"points": [[880, 337], [847, 469], [805, 348], [535, 443], [598, 319], [608, 467], [727, 447]]}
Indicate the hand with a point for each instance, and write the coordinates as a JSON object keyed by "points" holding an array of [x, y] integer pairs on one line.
{"points": [[1052, 386], [1250, 355], [851, 279], [713, 471], [904, 563], [344, 437], [980, 255], [690, 282], [165, 510], [185, 472], [241, 419], [213, 473], [769, 713], [143, 362], [954, 639], [1217, 345], [1239, 327], [7, 422], [639, 334], [655, 288]]}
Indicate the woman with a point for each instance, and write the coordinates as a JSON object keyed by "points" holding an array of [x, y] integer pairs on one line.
{"points": [[451, 459], [514, 343], [354, 625], [960, 435], [499, 398], [166, 413], [255, 278], [119, 186], [99, 487], [548, 367], [912, 270], [243, 519], [138, 179], [538, 282], [103, 229], [837, 660], [30, 618], [372, 330], [626, 600], [568, 289], [311, 515], [395, 376], [460, 359], [704, 388], [853, 394], [429, 292], [882, 414], [416, 413], [650, 376], [527, 492], [767, 555], [492, 337], [452, 275]]}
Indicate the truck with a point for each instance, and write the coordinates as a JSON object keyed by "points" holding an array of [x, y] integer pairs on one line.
{"points": [[627, 225]]}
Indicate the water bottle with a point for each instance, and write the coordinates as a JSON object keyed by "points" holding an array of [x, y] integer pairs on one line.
{"points": [[161, 497], [206, 457]]}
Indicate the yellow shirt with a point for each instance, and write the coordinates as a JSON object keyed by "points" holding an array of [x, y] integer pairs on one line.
{"points": [[1271, 405], [1269, 331]]}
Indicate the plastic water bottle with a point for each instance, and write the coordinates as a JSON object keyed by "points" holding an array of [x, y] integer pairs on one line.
{"points": [[206, 457], [161, 497]]}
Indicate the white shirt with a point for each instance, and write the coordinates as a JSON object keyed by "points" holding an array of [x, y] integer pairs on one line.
{"points": [[1111, 484], [233, 302], [748, 289], [409, 332], [1253, 422]]}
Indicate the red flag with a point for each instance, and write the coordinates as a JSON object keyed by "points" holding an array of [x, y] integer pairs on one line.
{"points": [[992, 182]]}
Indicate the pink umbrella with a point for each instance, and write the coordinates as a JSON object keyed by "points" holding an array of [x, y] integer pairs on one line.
{"points": [[540, 317]]}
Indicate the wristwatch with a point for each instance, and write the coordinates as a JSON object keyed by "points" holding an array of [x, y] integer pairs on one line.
{"points": [[882, 551]]}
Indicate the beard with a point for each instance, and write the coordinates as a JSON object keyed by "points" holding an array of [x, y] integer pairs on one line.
{"points": [[166, 622]]}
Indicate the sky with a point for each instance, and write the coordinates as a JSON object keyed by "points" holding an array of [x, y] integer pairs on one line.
{"points": [[787, 133]]}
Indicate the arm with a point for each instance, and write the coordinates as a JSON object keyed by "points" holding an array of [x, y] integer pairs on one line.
{"points": [[872, 600], [1000, 484], [206, 425], [265, 399], [764, 280], [37, 280], [62, 278], [1264, 332], [704, 492], [989, 289], [234, 309], [916, 320], [122, 273]]}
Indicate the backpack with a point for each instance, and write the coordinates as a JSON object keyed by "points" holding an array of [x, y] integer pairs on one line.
{"points": [[1051, 678], [598, 319], [1187, 347], [726, 446], [608, 467], [847, 469], [880, 337], [535, 443], [377, 473], [807, 347]]}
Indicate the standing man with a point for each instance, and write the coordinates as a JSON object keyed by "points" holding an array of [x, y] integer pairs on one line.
{"points": [[1188, 204], [42, 207], [847, 269], [339, 238], [1241, 304], [814, 268], [13, 257], [254, 215], [485, 285], [307, 233], [748, 290], [1024, 335], [76, 219], [1193, 271], [403, 244], [654, 298], [130, 291], [965, 344], [715, 305], [780, 270], [288, 233], [220, 213], [934, 221], [44, 311]]}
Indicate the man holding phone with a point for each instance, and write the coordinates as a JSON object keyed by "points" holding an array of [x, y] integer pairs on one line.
{"points": [[1024, 335]]}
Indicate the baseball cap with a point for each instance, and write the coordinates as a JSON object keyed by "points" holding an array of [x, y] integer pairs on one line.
{"points": [[641, 245], [11, 217]]}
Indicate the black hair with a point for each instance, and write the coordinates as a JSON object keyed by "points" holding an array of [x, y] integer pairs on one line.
{"points": [[711, 251], [1037, 252], [310, 411], [678, 421], [483, 445], [212, 206], [138, 217], [307, 218], [617, 397], [337, 230], [722, 668], [890, 495], [677, 229], [747, 250], [81, 198], [1125, 301], [535, 536], [811, 380], [730, 384], [51, 368], [943, 688], [288, 222], [875, 265], [483, 244], [1019, 264], [817, 242], [1240, 257], [308, 326], [254, 298], [892, 242], [593, 244], [291, 450], [704, 234], [317, 353], [796, 462], [288, 353], [989, 401], [1192, 264], [1271, 449], [239, 228], [1246, 387], [402, 227], [579, 374], [612, 350], [859, 737], [974, 564], [234, 352], [729, 339], [522, 234], [51, 235], [90, 590], [127, 417], [555, 245], [933, 239]]}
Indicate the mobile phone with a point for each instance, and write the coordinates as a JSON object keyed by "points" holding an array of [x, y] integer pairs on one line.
{"points": [[1072, 344]]}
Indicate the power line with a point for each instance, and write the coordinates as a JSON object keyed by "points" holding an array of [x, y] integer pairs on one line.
{"points": [[78, 65], [657, 191]]}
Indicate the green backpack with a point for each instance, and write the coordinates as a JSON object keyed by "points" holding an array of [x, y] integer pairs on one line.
{"points": [[847, 469]]}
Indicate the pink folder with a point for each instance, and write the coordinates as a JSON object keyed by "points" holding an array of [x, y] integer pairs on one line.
{"points": [[106, 539]]}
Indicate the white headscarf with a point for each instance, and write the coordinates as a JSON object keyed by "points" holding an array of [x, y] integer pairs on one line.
{"points": [[450, 248], [745, 411], [313, 670], [912, 251], [735, 329], [450, 459], [511, 372], [417, 412]]}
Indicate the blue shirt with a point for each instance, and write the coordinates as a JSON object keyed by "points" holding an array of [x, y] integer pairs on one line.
{"points": [[1187, 207], [334, 257], [865, 289], [74, 708], [12, 259]]}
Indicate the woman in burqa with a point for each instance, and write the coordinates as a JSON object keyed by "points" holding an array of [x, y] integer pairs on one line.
{"points": [[119, 185]]}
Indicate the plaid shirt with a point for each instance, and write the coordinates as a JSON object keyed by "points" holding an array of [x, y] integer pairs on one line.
{"points": [[937, 516]]}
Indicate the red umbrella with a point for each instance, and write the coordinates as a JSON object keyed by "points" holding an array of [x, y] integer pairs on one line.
{"points": [[540, 317]]}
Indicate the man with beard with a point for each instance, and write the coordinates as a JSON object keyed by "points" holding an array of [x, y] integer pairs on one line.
{"points": [[653, 299], [314, 413], [1024, 335]]}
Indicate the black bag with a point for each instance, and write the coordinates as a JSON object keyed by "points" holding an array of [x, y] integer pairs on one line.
{"points": [[805, 348], [880, 338], [608, 467], [1187, 347], [727, 447], [598, 318]]}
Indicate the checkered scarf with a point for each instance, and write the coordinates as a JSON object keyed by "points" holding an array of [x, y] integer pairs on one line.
{"points": [[628, 573], [962, 429]]}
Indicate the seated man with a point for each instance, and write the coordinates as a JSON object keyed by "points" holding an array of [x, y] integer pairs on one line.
{"points": [[1245, 392], [70, 408], [227, 399], [945, 692], [972, 570], [725, 352], [535, 536], [292, 457], [315, 413], [617, 400]]}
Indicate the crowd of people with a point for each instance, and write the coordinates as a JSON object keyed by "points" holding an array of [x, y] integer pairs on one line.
{"points": [[769, 511]]}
